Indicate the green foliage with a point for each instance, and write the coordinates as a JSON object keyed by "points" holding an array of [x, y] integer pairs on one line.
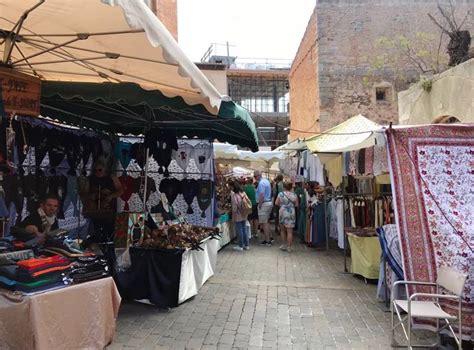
{"points": [[365, 81], [400, 53], [427, 85]]}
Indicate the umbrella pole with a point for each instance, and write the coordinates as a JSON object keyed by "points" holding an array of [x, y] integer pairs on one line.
{"points": [[147, 155]]}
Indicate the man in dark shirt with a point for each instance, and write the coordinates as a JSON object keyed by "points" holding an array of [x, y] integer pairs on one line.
{"points": [[40, 222]]}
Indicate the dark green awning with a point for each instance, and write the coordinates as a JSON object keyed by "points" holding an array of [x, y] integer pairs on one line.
{"points": [[127, 108]]}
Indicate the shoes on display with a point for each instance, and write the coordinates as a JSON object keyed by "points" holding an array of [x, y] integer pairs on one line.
{"points": [[282, 247], [246, 247], [263, 243], [239, 249]]}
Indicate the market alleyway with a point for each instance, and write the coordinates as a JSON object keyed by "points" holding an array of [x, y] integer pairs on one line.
{"points": [[265, 298]]}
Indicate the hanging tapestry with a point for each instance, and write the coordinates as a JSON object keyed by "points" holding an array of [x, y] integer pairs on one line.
{"points": [[432, 181]]}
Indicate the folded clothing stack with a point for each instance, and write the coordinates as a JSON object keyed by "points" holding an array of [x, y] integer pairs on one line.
{"points": [[87, 268], [66, 248], [34, 274], [40, 274]]}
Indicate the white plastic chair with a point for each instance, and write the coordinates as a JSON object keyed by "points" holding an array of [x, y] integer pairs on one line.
{"points": [[429, 307]]}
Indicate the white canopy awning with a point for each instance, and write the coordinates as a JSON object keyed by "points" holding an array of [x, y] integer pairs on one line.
{"points": [[261, 156], [294, 145], [355, 133], [225, 151], [100, 41], [230, 152]]}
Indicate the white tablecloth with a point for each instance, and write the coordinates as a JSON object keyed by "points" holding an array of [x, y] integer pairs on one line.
{"points": [[197, 267]]}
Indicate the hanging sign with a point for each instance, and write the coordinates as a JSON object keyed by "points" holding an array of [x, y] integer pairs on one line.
{"points": [[20, 92]]}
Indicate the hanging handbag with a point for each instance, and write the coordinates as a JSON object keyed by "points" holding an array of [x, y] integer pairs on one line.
{"points": [[246, 204]]}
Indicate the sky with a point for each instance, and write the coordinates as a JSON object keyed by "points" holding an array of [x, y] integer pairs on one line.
{"points": [[270, 29]]}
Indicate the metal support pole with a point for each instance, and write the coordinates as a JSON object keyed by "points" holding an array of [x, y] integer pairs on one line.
{"points": [[147, 155], [345, 236], [326, 226]]}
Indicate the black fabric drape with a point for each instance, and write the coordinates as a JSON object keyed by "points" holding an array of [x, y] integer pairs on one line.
{"points": [[154, 275]]}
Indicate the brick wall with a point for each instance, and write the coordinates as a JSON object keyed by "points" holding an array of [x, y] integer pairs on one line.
{"points": [[347, 78], [166, 11], [304, 85]]}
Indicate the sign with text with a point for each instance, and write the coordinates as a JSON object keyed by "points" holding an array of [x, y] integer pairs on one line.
{"points": [[20, 92]]}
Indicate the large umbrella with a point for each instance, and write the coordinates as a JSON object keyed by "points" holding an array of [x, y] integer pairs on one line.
{"points": [[73, 46], [94, 41]]}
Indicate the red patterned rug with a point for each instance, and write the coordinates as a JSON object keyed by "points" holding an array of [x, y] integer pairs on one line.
{"points": [[432, 170]]}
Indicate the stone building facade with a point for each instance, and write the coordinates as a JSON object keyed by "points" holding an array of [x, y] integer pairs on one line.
{"points": [[333, 76]]}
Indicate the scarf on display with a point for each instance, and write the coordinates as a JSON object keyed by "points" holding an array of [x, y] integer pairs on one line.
{"points": [[204, 195], [46, 221], [73, 154], [129, 187], [184, 155], [161, 148], [202, 155], [150, 187], [20, 141], [138, 153], [86, 149], [171, 188], [123, 152], [56, 148], [41, 149], [189, 189]]}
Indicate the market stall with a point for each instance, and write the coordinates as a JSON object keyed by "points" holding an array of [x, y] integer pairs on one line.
{"points": [[360, 200], [350, 165], [159, 93], [233, 163], [38, 278]]}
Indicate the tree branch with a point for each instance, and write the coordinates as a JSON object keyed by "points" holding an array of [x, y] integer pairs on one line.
{"points": [[439, 50], [436, 22], [464, 20], [447, 18], [453, 14]]}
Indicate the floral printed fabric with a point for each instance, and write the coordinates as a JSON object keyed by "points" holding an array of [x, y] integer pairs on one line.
{"points": [[369, 161], [433, 180], [380, 165], [287, 209]]}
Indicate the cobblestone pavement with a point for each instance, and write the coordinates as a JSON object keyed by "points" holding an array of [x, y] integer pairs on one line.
{"points": [[265, 298]]}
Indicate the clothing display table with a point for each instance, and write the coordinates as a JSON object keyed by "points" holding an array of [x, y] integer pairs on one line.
{"points": [[166, 278], [365, 255], [80, 316], [226, 229]]}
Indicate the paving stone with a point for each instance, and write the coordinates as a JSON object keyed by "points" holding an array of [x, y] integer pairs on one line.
{"points": [[211, 339], [265, 299], [227, 339]]}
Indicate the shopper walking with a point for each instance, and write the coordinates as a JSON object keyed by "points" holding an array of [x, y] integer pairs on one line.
{"points": [[240, 202], [264, 205], [288, 201], [277, 188], [250, 191]]}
